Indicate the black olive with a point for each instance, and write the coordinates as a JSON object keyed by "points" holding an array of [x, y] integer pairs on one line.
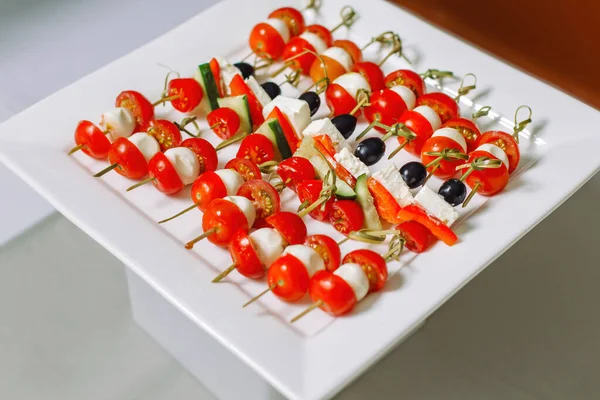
{"points": [[370, 150], [272, 89], [345, 123], [453, 191], [313, 100], [414, 174], [246, 69]]}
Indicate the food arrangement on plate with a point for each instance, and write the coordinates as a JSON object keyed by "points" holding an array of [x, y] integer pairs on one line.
{"points": [[337, 172]]}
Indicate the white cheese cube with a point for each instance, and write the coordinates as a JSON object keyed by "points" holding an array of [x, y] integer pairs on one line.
{"points": [[352, 163], [326, 127], [392, 181], [435, 205], [258, 91], [296, 110]]}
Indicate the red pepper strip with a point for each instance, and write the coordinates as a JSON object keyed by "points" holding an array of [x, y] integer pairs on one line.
{"points": [[238, 87], [288, 130], [435, 226]]}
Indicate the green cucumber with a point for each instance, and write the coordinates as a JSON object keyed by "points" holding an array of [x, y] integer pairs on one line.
{"points": [[273, 131], [364, 198], [240, 105], [206, 79]]}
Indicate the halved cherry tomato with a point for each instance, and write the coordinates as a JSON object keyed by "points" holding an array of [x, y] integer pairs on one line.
{"points": [[341, 172], [373, 264], [295, 170], [339, 100], [336, 295], [507, 143], [309, 191], [467, 128], [296, 57], [165, 175], [245, 257], [444, 169], [386, 106], [165, 132], [130, 160], [189, 94], [206, 153], [417, 237], [94, 141], [140, 107], [408, 78], [292, 18], [289, 225], [372, 73], [263, 195], [385, 203], [288, 131], [346, 216], [226, 218], [237, 86], [321, 32], [224, 122], [265, 40], [420, 126], [215, 68], [491, 180], [327, 248], [435, 226], [328, 67], [207, 187], [246, 168], [351, 48], [256, 148], [289, 278], [444, 105]]}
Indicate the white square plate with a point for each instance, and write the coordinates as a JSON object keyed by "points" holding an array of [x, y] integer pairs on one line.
{"points": [[316, 358]]}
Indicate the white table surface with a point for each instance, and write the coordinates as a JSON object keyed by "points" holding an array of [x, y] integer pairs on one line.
{"points": [[526, 328]]}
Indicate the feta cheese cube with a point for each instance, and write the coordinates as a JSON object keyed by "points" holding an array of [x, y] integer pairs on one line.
{"points": [[258, 91], [326, 127], [435, 205], [392, 181], [296, 110], [352, 163]]}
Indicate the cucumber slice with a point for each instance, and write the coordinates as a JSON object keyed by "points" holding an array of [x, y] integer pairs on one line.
{"points": [[272, 130], [205, 78], [344, 191], [239, 104], [364, 198]]}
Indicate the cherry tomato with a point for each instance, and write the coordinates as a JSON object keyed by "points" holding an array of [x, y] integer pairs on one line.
{"points": [[226, 218], [491, 180], [165, 132], [207, 187], [237, 86], [224, 122], [189, 94], [130, 160], [445, 168], [140, 107], [291, 227], [244, 256], [444, 105], [291, 136], [246, 168], [420, 126], [417, 237], [372, 73], [328, 67], [321, 32], [264, 39], [263, 195], [435, 226], [295, 170], [407, 78], [336, 295], [327, 248], [215, 68], [385, 203], [292, 18], [339, 100], [309, 191], [386, 107], [373, 264], [256, 148], [468, 129], [94, 141], [507, 143], [293, 49], [341, 172], [346, 216], [205, 152], [165, 176], [351, 48], [289, 278]]}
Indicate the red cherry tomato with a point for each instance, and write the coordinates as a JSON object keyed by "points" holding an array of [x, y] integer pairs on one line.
{"points": [[130, 160], [205, 152], [417, 237], [321, 32], [491, 180], [420, 126], [215, 68], [246, 168], [346, 216], [244, 256], [295, 170], [386, 106], [206, 188], [165, 176], [224, 122], [468, 129], [265, 40], [237, 86], [336, 295], [372, 73], [256, 148], [385, 203], [445, 168], [435, 226], [291, 136], [341, 172], [339, 100], [292, 18], [327, 248], [407, 78], [373, 264], [289, 278], [328, 67], [507, 143], [351, 48], [291, 227], [444, 105], [263, 195], [226, 218], [94, 141], [140, 107], [165, 132], [309, 191], [189, 94], [301, 61]]}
